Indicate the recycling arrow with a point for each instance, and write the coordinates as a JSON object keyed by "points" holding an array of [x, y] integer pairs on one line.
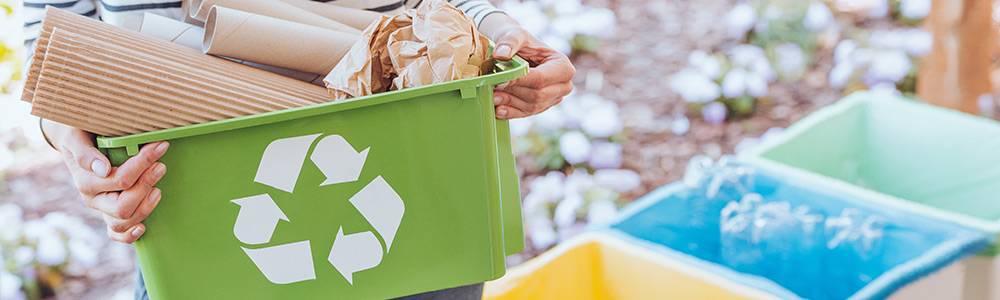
{"points": [[338, 161], [257, 219], [382, 207], [282, 161], [284, 263], [355, 252]]}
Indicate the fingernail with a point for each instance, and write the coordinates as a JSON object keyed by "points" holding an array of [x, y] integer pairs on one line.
{"points": [[161, 148], [501, 112], [502, 51], [496, 100], [137, 232], [159, 170], [155, 197], [99, 168]]}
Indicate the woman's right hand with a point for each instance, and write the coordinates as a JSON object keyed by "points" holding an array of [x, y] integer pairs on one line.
{"points": [[124, 195]]}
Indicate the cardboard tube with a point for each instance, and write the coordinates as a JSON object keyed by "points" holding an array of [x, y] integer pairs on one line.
{"points": [[171, 30], [270, 8], [357, 18], [186, 11], [192, 36], [275, 42], [278, 87]]}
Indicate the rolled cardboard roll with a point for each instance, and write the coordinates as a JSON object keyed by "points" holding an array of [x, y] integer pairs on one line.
{"points": [[192, 36], [275, 9], [357, 18], [275, 42], [186, 11]]}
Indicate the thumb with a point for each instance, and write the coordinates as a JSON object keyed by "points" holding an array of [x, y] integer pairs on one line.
{"points": [[509, 43], [80, 146]]}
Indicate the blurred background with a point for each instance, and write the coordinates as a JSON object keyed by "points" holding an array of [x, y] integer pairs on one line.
{"points": [[657, 83]]}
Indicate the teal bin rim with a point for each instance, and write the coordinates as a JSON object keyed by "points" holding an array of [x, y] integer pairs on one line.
{"points": [[881, 287], [504, 71], [755, 157]]}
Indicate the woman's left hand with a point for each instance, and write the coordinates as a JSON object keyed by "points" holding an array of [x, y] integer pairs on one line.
{"points": [[548, 80]]}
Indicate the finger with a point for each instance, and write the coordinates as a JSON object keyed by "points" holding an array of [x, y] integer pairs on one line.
{"points": [[129, 199], [122, 178], [80, 146], [143, 210], [128, 236], [548, 72], [104, 202], [512, 107], [542, 96], [510, 43]]}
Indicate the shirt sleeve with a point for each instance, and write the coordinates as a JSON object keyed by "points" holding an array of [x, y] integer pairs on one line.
{"points": [[475, 9], [34, 12]]}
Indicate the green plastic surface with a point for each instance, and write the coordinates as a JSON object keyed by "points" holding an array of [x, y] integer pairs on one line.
{"points": [[945, 161], [439, 147]]}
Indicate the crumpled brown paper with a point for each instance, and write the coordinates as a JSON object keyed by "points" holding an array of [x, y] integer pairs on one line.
{"points": [[433, 43]]}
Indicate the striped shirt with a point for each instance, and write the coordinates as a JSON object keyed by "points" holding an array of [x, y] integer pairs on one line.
{"points": [[128, 13]]}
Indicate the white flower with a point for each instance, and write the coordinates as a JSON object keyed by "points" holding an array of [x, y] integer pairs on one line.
{"points": [[706, 63], [11, 222], [82, 253], [986, 104], [879, 9], [566, 27], [24, 255], [756, 85], [840, 74], [739, 20], [744, 144], [693, 86], [550, 119], [746, 55], [568, 232], [818, 17], [763, 68], [772, 133], [918, 42], [528, 14], [915, 9], [574, 147], [10, 286], [598, 22], [577, 183], [534, 205], [791, 60], [680, 125], [566, 7], [890, 65], [522, 126], [601, 212], [605, 155], [887, 39], [844, 50], [548, 187], [542, 233], [714, 113], [617, 179], [558, 43], [884, 89], [51, 250], [602, 121], [565, 214], [734, 84]]}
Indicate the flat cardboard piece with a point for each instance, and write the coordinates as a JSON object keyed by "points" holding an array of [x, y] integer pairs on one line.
{"points": [[356, 18], [270, 8], [275, 42], [433, 43], [113, 81]]}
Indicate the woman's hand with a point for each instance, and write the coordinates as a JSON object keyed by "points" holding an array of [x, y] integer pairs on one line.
{"points": [[124, 195], [548, 80]]}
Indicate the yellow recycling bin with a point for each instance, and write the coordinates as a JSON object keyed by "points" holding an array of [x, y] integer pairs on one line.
{"points": [[596, 265]]}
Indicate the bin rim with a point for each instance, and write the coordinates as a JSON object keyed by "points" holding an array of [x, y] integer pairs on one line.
{"points": [[504, 71], [755, 157]]}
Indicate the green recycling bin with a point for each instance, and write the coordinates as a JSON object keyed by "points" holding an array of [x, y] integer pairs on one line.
{"points": [[897, 152], [373, 197]]}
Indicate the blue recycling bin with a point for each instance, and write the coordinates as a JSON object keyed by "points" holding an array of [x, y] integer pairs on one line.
{"points": [[792, 262]]}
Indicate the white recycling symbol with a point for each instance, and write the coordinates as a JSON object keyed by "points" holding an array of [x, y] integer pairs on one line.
{"points": [[279, 168]]}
